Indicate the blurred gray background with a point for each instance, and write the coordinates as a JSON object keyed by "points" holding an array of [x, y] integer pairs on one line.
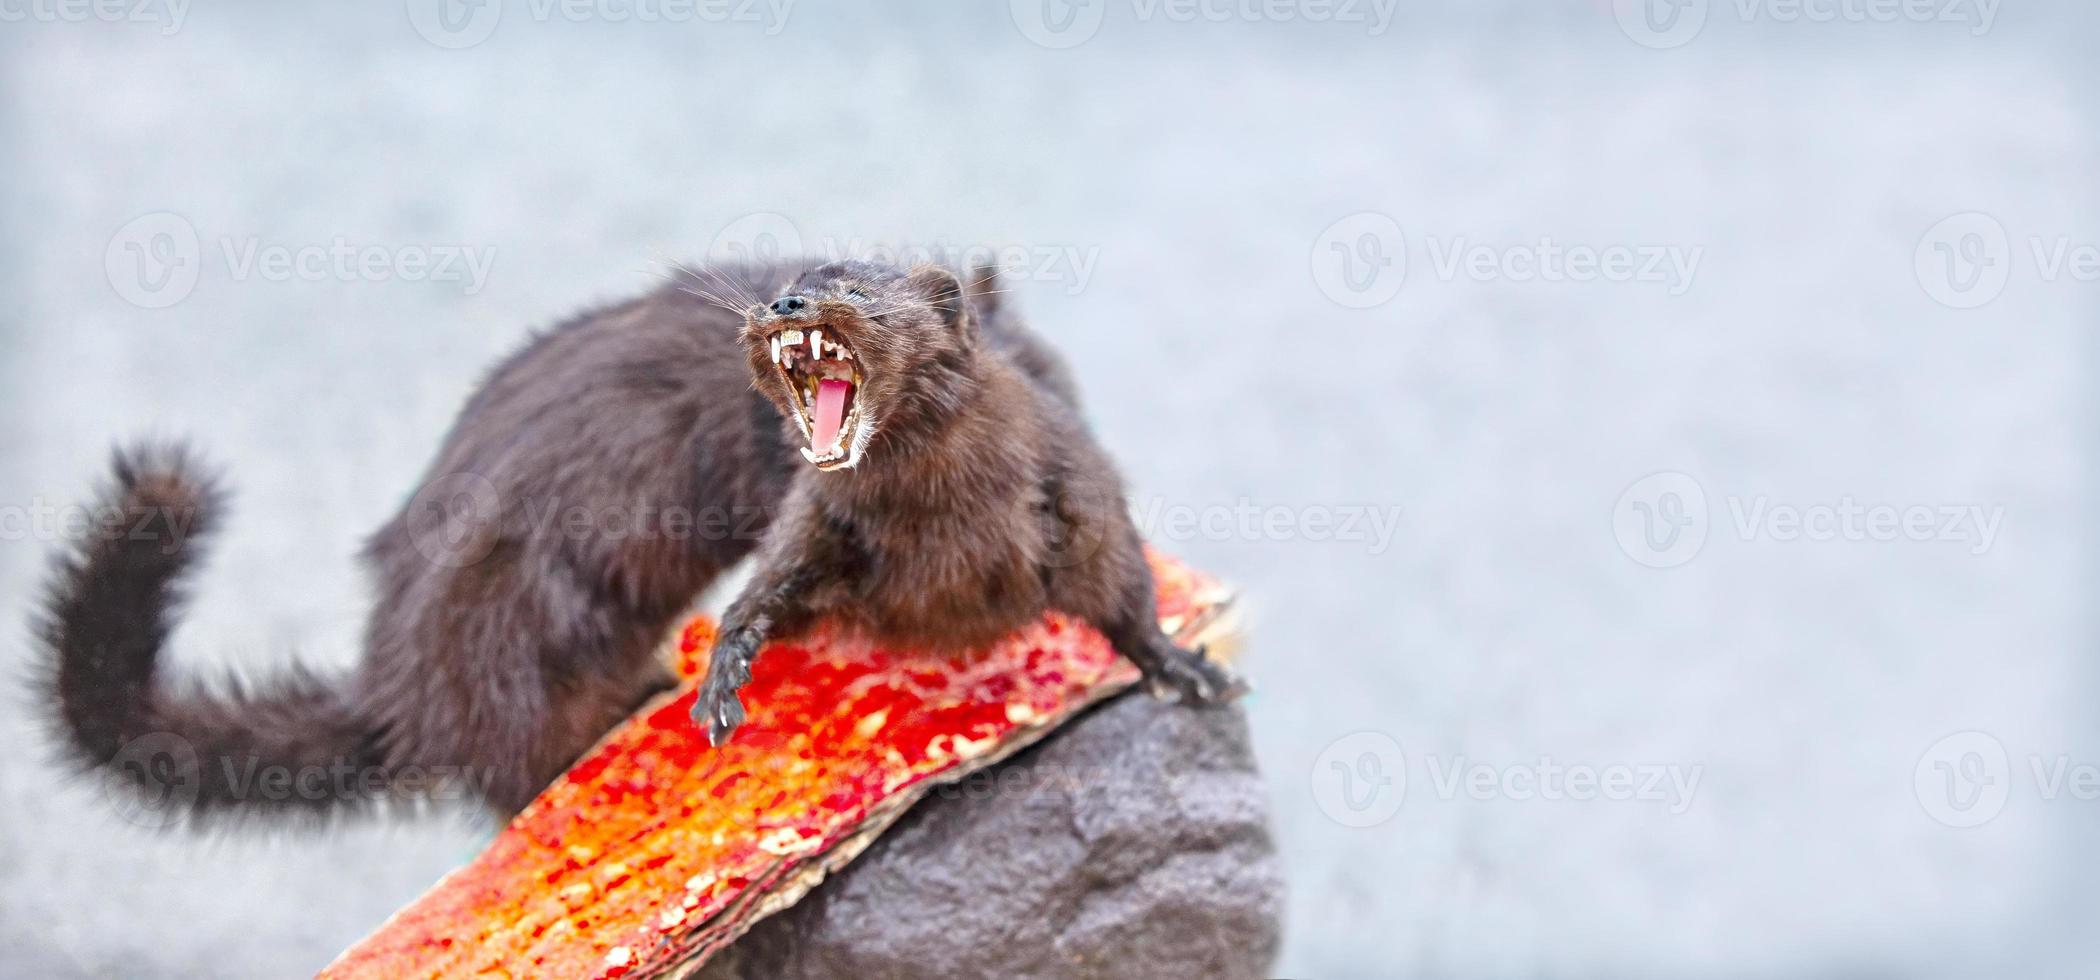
{"points": [[1213, 210]]}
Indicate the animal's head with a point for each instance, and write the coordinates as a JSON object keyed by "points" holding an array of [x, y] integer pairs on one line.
{"points": [[851, 350]]}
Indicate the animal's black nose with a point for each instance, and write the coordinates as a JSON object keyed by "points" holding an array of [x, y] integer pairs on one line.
{"points": [[788, 304]]}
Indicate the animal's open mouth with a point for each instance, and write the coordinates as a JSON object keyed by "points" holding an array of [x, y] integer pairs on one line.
{"points": [[824, 384]]}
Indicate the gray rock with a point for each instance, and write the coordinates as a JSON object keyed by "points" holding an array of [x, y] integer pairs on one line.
{"points": [[1132, 843]]}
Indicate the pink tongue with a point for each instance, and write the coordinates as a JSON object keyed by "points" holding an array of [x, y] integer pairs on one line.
{"points": [[831, 413]]}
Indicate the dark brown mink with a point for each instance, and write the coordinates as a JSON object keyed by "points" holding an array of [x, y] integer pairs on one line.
{"points": [[951, 495], [597, 482]]}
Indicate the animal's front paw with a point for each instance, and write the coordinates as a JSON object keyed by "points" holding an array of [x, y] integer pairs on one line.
{"points": [[718, 710], [728, 670], [1187, 676]]}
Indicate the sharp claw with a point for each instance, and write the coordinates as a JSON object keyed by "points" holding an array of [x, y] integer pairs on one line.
{"points": [[718, 710], [728, 716]]}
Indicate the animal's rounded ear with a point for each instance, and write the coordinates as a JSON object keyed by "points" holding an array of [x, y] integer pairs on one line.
{"points": [[944, 292]]}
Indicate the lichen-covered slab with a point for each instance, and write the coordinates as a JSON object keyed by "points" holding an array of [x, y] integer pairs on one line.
{"points": [[655, 850]]}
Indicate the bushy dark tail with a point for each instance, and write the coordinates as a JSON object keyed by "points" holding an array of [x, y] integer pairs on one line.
{"points": [[292, 745]]}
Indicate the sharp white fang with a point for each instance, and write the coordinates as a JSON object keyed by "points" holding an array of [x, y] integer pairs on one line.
{"points": [[776, 348], [816, 344], [806, 454]]}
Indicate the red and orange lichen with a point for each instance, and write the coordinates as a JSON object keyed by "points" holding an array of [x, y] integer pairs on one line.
{"points": [[654, 851]]}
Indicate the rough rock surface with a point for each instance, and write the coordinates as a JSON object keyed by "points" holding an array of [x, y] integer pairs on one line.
{"points": [[1133, 843]]}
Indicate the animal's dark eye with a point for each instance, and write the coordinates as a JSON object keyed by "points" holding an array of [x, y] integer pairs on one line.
{"points": [[856, 293]]}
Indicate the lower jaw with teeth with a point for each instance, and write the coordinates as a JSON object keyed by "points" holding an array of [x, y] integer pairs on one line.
{"points": [[830, 426]]}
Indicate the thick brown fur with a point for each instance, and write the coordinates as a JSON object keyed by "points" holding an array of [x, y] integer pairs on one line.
{"points": [[982, 500]]}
